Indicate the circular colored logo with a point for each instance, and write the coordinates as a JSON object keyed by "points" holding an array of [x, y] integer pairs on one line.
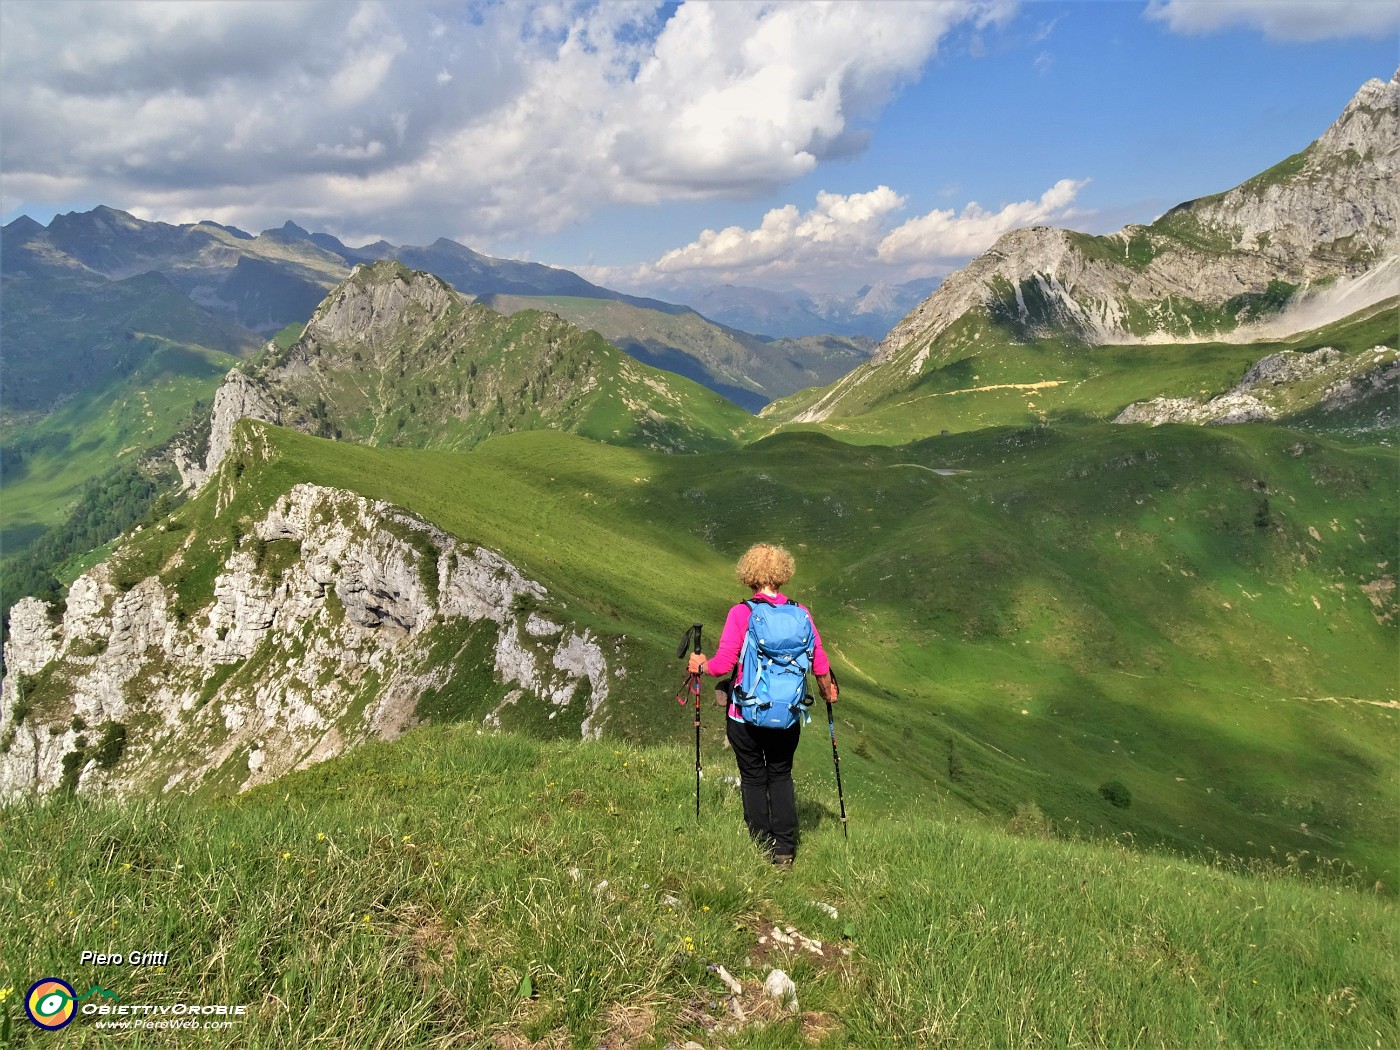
{"points": [[50, 1003]]}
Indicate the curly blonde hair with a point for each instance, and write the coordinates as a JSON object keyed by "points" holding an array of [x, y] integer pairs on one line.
{"points": [[764, 565]]}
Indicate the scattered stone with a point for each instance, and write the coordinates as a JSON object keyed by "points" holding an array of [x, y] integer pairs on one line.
{"points": [[728, 979], [779, 986]]}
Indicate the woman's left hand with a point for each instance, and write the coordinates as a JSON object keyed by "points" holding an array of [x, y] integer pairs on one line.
{"points": [[696, 664]]}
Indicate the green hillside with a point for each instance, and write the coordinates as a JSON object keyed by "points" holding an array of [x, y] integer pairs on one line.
{"points": [[75, 337], [748, 370], [1199, 615], [980, 375], [437, 371], [48, 461], [491, 891]]}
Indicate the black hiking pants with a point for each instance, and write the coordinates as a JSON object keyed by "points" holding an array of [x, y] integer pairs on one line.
{"points": [[765, 782]]}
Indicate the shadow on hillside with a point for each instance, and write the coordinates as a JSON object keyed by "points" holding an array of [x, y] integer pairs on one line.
{"points": [[811, 815]]}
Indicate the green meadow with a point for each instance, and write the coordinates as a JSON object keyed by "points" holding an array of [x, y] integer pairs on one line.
{"points": [[1192, 614], [1119, 728], [48, 460], [460, 889]]}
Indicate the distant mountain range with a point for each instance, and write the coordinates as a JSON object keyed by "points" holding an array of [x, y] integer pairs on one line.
{"points": [[80, 291], [870, 312]]}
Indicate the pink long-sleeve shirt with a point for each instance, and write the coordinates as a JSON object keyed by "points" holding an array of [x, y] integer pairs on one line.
{"points": [[731, 640]]}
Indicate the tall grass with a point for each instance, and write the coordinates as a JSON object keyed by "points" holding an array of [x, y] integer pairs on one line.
{"points": [[460, 889]]}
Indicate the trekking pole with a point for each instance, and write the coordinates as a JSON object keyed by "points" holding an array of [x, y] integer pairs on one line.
{"points": [[692, 682], [836, 758]]}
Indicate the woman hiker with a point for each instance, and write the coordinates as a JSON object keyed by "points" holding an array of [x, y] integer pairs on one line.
{"points": [[764, 752]]}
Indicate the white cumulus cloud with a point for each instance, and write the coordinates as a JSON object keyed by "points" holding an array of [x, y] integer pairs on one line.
{"points": [[948, 235], [482, 121], [787, 241], [842, 241], [1292, 20]]}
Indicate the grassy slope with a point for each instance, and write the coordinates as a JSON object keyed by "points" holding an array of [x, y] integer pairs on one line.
{"points": [[978, 378], [94, 432], [490, 891], [78, 336], [1081, 606], [748, 370]]}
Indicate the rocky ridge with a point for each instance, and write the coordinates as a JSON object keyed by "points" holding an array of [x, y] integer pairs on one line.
{"points": [[318, 636], [1329, 214], [397, 357], [1282, 384]]}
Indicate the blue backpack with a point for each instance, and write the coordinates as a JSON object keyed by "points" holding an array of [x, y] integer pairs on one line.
{"points": [[776, 655]]}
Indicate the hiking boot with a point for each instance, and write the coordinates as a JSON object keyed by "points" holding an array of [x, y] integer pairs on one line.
{"points": [[782, 860]]}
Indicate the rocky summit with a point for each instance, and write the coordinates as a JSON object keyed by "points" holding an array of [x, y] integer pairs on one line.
{"points": [[394, 356], [1321, 226]]}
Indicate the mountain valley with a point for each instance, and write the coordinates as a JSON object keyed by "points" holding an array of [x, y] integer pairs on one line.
{"points": [[343, 587]]}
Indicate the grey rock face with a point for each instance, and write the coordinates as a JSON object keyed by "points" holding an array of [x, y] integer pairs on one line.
{"points": [[1331, 213], [238, 397], [363, 314], [1289, 367], [1279, 384], [282, 668]]}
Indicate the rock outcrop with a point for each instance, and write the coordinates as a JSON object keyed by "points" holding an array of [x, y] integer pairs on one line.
{"points": [[365, 311], [326, 626], [1283, 384], [1312, 226], [396, 357]]}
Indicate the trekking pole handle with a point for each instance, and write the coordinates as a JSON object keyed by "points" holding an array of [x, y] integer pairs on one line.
{"points": [[691, 637]]}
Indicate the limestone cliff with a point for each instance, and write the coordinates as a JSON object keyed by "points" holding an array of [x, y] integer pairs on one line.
{"points": [[1288, 384], [1321, 225], [329, 625]]}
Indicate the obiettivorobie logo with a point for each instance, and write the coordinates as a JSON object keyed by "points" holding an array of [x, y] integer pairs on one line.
{"points": [[52, 1004]]}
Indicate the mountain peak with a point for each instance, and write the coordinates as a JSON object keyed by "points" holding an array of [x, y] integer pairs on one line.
{"points": [[287, 231], [1369, 123], [1326, 216], [375, 298], [23, 226]]}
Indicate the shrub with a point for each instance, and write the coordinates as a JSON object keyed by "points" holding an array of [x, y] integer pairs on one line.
{"points": [[956, 770], [1116, 793], [73, 763], [1031, 823], [111, 745]]}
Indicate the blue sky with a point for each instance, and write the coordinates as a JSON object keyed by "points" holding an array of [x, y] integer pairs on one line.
{"points": [[657, 147]]}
